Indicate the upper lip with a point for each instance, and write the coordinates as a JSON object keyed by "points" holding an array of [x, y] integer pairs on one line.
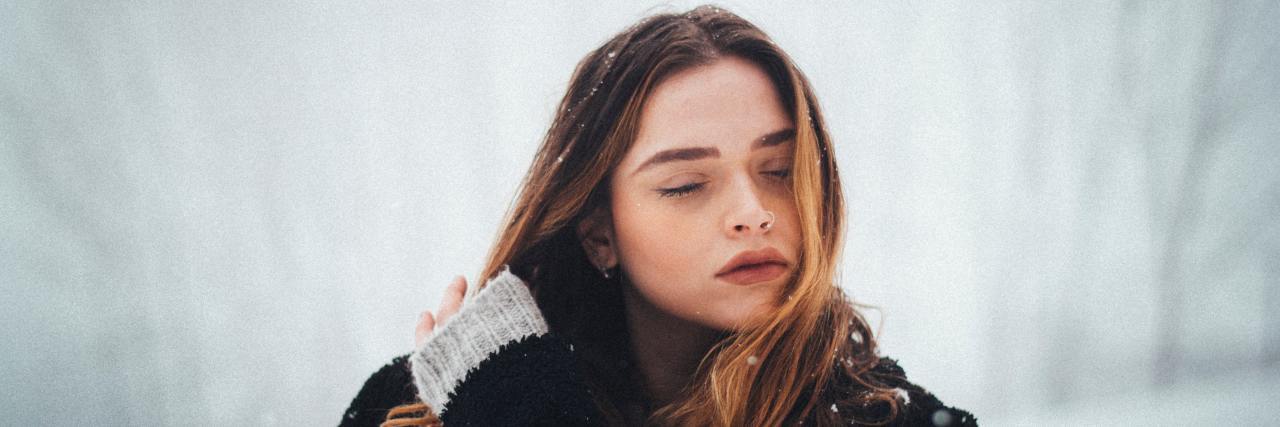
{"points": [[760, 256]]}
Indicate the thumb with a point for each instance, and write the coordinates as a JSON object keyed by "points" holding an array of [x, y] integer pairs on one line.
{"points": [[426, 324]]}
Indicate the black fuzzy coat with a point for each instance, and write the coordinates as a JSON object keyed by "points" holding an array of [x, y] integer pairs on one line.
{"points": [[534, 382], [497, 363]]}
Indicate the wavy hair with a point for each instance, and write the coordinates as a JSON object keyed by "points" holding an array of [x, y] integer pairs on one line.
{"points": [[812, 358]]}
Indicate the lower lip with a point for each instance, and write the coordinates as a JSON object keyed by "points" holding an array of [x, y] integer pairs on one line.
{"points": [[754, 274]]}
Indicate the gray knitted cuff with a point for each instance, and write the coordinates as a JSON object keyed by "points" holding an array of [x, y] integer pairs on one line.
{"points": [[502, 312]]}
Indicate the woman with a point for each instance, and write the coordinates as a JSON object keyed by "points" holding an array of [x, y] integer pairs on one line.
{"points": [[669, 260]]}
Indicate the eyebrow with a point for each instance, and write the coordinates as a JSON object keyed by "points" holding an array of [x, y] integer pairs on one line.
{"points": [[697, 153]]}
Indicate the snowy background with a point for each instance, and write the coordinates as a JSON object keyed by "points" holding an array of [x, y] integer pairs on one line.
{"points": [[225, 213]]}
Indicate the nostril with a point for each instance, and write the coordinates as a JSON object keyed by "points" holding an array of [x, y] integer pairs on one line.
{"points": [[738, 227]]}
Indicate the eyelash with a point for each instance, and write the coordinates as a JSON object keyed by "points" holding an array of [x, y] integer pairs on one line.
{"points": [[681, 191], [687, 189], [780, 173]]}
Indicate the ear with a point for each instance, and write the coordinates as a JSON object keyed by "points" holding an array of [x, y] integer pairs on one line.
{"points": [[595, 233]]}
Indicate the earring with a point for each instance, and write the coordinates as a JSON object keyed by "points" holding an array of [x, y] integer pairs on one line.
{"points": [[601, 264]]}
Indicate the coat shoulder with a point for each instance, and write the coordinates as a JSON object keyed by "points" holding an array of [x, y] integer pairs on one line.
{"points": [[390, 386], [918, 406]]}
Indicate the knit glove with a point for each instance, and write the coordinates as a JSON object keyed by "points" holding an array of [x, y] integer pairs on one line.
{"points": [[496, 363]]}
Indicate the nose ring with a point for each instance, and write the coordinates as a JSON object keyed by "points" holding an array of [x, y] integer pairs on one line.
{"points": [[768, 224]]}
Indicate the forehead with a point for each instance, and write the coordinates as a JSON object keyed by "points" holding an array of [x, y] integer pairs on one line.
{"points": [[727, 104]]}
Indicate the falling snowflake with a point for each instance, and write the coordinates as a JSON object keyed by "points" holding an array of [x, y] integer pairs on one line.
{"points": [[941, 418], [902, 394], [752, 360]]}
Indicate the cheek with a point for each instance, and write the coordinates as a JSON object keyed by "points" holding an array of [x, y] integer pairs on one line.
{"points": [[790, 231], [657, 242]]}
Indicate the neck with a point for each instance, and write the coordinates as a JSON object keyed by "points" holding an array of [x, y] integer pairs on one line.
{"points": [[667, 349]]}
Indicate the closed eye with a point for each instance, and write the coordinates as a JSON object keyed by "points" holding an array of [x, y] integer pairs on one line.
{"points": [[681, 191], [780, 173]]}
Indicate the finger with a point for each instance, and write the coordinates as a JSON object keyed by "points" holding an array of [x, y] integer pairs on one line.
{"points": [[426, 324], [452, 299]]}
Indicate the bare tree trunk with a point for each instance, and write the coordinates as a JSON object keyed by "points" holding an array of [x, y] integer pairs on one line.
{"points": [[1186, 208]]}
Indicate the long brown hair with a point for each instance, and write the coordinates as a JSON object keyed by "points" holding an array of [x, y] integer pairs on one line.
{"points": [[811, 359]]}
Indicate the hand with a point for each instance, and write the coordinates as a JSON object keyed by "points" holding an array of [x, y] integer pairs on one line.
{"points": [[448, 307]]}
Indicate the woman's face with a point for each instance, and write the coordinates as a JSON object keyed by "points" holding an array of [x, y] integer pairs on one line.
{"points": [[707, 183]]}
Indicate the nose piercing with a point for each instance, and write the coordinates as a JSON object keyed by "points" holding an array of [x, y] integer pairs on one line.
{"points": [[768, 224]]}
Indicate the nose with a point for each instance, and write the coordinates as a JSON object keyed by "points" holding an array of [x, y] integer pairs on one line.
{"points": [[748, 216], [763, 227]]}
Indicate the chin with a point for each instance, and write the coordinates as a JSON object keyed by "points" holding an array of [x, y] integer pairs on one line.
{"points": [[734, 318]]}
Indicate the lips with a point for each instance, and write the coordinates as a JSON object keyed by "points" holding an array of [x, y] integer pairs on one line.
{"points": [[751, 267]]}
